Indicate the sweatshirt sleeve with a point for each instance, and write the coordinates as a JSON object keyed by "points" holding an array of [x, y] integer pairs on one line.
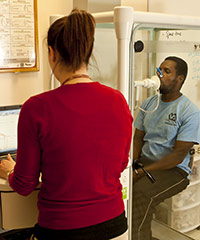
{"points": [[127, 122], [25, 177]]}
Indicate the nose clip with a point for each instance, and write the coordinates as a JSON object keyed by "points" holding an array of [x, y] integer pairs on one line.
{"points": [[158, 71]]}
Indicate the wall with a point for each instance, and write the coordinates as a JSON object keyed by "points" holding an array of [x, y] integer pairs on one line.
{"points": [[15, 88], [138, 5]]}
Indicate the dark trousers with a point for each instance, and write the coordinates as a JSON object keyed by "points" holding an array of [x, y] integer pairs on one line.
{"points": [[102, 231], [146, 196]]}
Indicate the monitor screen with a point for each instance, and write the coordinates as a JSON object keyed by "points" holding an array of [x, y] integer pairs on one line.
{"points": [[8, 128]]}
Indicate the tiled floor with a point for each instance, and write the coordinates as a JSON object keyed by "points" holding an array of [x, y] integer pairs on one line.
{"points": [[164, 232], [195, 234]]}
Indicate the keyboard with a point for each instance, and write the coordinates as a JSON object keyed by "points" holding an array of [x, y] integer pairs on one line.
{"points": [[13, 155]]}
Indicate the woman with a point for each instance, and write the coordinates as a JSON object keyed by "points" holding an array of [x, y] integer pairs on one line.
{"points": [[78, 137]]}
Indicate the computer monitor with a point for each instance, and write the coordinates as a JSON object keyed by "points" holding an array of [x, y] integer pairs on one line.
{"points": [[9, 116]]}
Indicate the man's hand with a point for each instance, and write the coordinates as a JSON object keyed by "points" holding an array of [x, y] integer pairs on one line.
{"points": [[137, 174]]}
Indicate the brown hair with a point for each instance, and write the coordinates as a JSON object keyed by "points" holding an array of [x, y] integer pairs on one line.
{"points": [[73, 38]]}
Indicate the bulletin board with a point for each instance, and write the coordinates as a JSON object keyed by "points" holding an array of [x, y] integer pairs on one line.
{"points": [[18, 36]]}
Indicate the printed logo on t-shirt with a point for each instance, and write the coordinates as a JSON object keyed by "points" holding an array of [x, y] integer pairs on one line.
{"points": [[171, 119]]}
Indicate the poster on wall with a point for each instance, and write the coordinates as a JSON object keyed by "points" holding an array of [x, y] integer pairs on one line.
{"points": [[18, 36]]}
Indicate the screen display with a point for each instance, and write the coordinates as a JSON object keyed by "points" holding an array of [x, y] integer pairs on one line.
{"points": [[8, 129]]}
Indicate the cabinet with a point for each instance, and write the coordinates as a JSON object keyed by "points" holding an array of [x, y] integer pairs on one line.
{"points": [[182, 211], [17, 211]]}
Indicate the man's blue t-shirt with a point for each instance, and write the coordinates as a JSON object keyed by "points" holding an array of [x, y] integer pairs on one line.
{"points": [[178, 120]]}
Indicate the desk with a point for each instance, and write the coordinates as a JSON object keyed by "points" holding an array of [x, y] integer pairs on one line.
{"points": [[17, 211]]}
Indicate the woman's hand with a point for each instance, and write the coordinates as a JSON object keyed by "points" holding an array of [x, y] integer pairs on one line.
{"points": [[6, 166]]}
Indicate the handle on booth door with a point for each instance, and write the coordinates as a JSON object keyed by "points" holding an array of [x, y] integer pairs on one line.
{"points": [[138, 165]]}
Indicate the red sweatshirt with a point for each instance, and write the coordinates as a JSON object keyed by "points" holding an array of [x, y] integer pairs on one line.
{"points": [[78, 136]]}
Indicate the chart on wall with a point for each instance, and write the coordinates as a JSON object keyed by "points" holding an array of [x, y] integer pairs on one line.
{"points": [[18, 35], [184, 44]]}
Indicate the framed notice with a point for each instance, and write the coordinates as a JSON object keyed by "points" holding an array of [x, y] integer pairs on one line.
{"points": [[18, 36]]}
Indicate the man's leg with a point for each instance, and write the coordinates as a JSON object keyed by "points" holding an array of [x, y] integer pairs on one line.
{"points": [[146, 196]]}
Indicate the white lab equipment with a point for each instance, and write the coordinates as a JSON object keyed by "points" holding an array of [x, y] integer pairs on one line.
{"points": [[153, 82]]}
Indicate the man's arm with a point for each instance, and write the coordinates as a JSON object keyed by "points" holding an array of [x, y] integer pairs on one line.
{"points": [[171, 160], [138, 143]]}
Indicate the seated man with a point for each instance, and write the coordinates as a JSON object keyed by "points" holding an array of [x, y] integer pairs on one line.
{"points": [[162, 141]]}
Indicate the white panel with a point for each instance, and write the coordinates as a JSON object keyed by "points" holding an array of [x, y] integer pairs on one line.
{"points": [[104, 69], [182, 7]]}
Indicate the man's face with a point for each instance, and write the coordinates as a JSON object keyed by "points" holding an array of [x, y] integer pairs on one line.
{"points": [[169, 82]]}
